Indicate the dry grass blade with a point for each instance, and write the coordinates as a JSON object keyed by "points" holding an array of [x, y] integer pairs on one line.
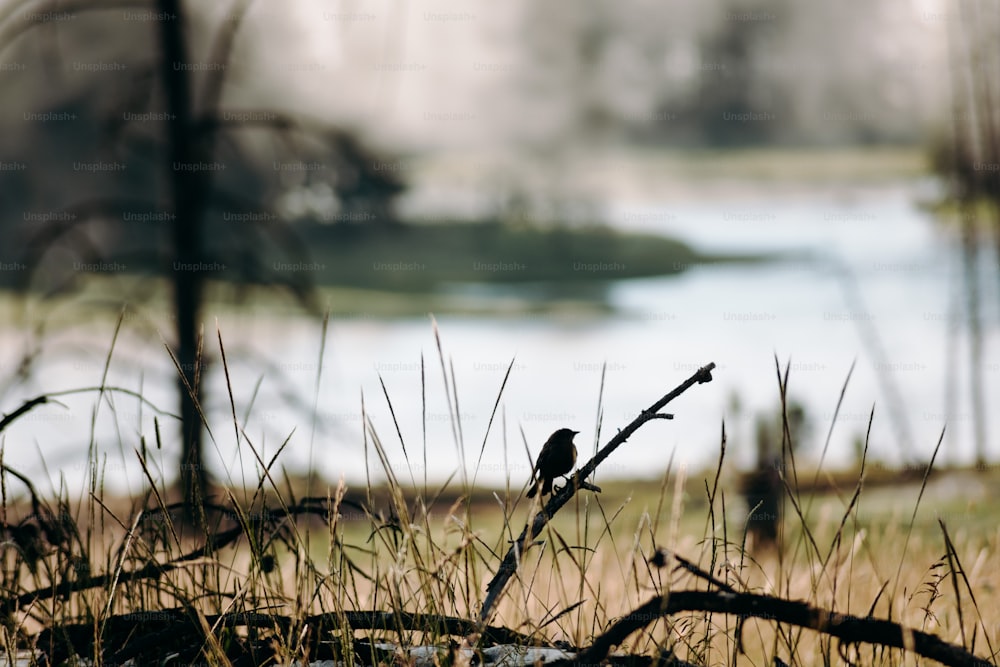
{"points": [[113, 582], [383, 457], [159, 500], [457, 418], [493, 414], [423, 414], [711, 493], [399, 432], [852, 505], [104, 380], [787, 448], [833, 422], [599, 419], [913, 517], [266, 467], [319, 377], [955, 568], [229, 392], [191, 390], [448, 396], [562, 613]]}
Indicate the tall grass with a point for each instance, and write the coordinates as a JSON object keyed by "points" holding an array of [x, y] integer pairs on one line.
{"points": [[281, 571]]}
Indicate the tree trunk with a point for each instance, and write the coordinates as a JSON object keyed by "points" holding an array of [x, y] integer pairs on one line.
{"points": [[188, 186]]}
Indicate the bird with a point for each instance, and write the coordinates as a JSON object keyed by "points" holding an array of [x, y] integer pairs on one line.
{"points": [[558, 456]]}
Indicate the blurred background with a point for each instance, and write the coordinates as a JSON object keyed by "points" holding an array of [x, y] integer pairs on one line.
{"points": [[597, 197]]}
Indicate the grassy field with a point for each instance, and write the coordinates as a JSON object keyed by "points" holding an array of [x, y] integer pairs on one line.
{"points": [[886, 557], [434, 550], [298, 570]]}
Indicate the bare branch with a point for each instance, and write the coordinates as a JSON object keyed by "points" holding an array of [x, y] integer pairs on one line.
{"points": [[848, 628], [509, 564]]}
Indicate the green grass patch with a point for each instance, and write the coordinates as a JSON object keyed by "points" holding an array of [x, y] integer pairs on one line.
{"points": [[442, 256]]}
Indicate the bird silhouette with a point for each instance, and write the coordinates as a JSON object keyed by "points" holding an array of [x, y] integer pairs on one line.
{"points": [[558, 456]]}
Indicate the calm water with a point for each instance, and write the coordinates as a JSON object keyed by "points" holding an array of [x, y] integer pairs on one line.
{"points": [[801, 310]]}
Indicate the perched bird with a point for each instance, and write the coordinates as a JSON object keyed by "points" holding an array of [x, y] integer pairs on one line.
{"points": [[558, 456]]}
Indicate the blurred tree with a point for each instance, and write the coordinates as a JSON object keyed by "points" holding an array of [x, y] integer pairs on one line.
{"points": [[761, 72], [970, 162], [183, 188], [736, 101], [188, 149]]}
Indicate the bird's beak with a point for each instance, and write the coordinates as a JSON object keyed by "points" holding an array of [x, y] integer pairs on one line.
{"points": [[575, 432]]}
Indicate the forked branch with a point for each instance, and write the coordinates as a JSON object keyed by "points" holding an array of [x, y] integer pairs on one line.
{"points": [[509, 564]]}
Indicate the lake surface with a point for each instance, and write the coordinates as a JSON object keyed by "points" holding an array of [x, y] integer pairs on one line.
{"points": [[869, 281]]}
